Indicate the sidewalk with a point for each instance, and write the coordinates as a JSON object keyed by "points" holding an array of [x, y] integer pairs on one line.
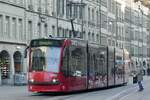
{"points": [[133, 93]]}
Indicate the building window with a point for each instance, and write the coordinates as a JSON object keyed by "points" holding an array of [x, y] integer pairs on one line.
{"points": [[59, 34], [30, 4], [60, 7], [75, 11], [113, 6], [81, 12], [30, 29], [46, 6], [45, 30], [14, 28], [39, 6], [66, 33], [89, 36], [110, 5], [93, 17], [21, 30], [104, 18], [97, 38], [63, 32], [53, 30], [93, 38], [67, 11], [97, 18], [1, 25], [84, 35], [7, 26], [39, 30], [109, 42], [89, 14], [70, 33]]}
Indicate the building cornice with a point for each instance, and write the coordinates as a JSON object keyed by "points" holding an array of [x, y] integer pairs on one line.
{"points": [[12, 4], [13, 43]]}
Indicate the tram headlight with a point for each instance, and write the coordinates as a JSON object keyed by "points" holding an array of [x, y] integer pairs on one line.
{"points": [[55, 81], [32, 80]]}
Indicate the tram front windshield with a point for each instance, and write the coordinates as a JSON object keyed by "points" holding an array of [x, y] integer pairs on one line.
{"points": [[45, 58]]}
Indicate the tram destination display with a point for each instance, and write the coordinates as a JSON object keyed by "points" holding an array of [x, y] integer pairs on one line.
{"points": [[45, 42]]}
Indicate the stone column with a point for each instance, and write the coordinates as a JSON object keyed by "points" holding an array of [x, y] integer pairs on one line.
{"points": [[12, 69]]}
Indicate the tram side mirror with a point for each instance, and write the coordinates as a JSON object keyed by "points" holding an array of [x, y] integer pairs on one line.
{"points": [[26, 51]]}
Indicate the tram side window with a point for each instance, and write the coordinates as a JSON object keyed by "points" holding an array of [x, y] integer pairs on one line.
{"points": [[102, 64], [95, 64], [119, 65], [77, 63], [111, 63], [65, 61], [92, 67]]}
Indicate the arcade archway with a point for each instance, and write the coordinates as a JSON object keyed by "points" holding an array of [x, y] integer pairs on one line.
{"points": [[5, 66], [17, 62]]}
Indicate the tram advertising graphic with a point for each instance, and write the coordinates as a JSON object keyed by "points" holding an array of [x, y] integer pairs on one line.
{"points": [[66, 65]]}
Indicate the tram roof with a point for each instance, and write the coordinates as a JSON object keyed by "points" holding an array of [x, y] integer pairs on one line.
{"points": [[61, 38]]}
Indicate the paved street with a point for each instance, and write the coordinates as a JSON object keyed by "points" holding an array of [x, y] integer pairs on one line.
{"points": [[136, 95], [21, 93]]}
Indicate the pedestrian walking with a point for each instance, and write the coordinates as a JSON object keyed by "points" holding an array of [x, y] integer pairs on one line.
{"points": [[140, 79]]}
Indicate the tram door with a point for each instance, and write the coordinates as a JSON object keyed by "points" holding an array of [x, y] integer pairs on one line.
{"points": [[97, 64], [111, 66], [77, 67], [119, 66], [92, 68], [102, 66], [126, 66]]}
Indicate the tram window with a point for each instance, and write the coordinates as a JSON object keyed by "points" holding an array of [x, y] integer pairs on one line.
{"points": [[119, 64], [91, 67], [95, 64], [53, 59], [102, 62], [77, 60], [111, 62], [38, 60], [45, 59]]}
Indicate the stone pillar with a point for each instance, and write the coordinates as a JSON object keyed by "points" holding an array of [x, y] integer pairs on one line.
{"points": [[12, 69]]}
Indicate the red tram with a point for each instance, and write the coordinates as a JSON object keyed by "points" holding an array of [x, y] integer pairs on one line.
{"points": [[65, 65]]}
